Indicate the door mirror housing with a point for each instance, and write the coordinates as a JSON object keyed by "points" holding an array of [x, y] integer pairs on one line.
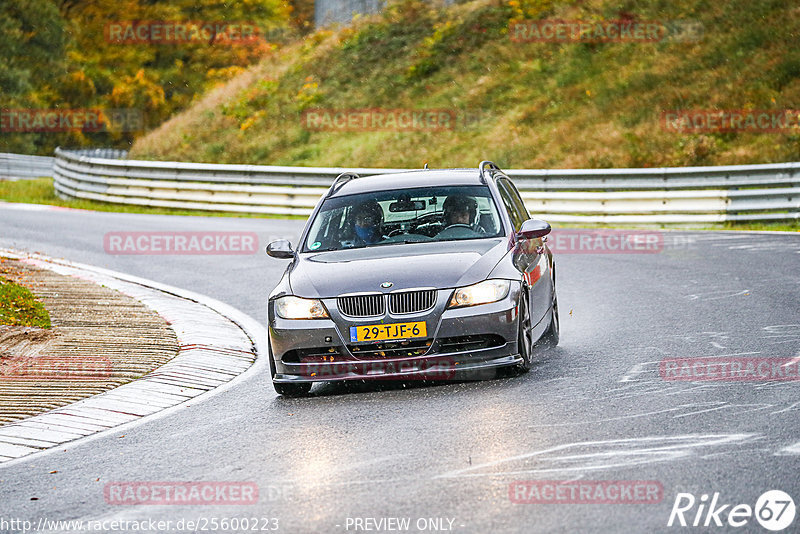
{"points": [[533, 229], [281, 249]]}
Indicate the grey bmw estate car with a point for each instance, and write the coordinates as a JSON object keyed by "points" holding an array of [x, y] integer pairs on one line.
{"points": [[428, 274]]}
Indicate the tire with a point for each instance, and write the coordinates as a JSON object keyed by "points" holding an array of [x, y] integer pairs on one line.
{"points": [[524, 340], [553, 333], [292, 390]]}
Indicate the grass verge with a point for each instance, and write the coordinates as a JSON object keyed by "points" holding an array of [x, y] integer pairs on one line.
{"points": [[41, 191], [19, 307]]}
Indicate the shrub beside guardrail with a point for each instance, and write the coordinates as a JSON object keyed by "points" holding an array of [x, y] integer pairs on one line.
{"points": [[660, 196]]}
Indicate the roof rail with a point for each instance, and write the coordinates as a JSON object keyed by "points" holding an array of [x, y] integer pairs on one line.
{"points": [[485, 163], [343, 179]]}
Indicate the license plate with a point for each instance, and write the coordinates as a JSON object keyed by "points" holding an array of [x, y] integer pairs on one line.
{"points": [[383, 332]]}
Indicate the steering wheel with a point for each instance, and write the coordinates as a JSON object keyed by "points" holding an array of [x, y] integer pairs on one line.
{"points": [[458, 225], [397, 231]]}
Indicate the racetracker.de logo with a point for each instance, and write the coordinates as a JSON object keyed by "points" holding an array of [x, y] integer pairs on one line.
{"points": [[605, 31], [181, 32], [64, 120], [729, 369], [189, 243], [586, 492], [376, 119], [55, 368], [602, 241], [731, 120], [182, 493]]}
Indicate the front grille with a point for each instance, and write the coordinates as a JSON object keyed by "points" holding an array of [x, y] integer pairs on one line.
{"points": [[362, 305], [412, 301]]}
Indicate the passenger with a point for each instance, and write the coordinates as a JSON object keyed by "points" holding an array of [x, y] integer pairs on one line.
{"points": [[368, 223]]}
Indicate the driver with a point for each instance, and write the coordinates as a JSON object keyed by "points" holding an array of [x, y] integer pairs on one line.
{"points": [[459, 209], [368, 222]]}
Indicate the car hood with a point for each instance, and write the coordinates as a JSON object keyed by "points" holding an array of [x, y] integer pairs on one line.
{"points": [[439, 264]]}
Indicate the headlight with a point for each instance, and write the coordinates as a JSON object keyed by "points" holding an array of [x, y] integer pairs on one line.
{"points": [[480, 293], [298, 308]]}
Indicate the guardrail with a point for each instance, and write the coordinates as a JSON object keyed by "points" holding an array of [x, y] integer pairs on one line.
{"points": [[659, 196], [14, 166]]}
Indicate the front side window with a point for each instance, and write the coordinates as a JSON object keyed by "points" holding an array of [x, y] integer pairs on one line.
{"points": [[516, 209], [423, 214]]}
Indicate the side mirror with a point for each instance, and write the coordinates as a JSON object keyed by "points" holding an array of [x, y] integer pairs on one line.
{"points": [[280, 249], [533, 229]]}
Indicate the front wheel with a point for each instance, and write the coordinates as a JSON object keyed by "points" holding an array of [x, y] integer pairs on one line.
{"points": [[292, 390], [524, 339]]}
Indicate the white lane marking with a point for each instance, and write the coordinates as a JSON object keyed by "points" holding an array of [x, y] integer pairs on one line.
{"points": [[789, 409], [623, 417], [792, 361], [717, 295], [639, 368], [643, 367], [612, 453], [790, 450], [727, 406]]}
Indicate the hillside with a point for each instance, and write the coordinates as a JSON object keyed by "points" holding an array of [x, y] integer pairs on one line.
{"points": [[522, 104]]}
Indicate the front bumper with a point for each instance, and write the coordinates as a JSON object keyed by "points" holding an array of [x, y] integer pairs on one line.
{"points": [[461, 343]]}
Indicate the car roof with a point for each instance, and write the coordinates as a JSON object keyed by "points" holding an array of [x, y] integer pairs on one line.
{"points": [[408, 180]]}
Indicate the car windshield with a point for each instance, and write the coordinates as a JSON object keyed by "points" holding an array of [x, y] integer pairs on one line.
{"points": [[424, 214]]}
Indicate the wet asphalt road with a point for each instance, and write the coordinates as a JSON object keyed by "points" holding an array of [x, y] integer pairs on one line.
{"points": [[444, 456]]}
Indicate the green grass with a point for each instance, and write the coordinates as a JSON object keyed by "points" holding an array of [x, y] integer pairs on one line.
{"points": [[19, 307], [788, 226], [41, 191]]}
